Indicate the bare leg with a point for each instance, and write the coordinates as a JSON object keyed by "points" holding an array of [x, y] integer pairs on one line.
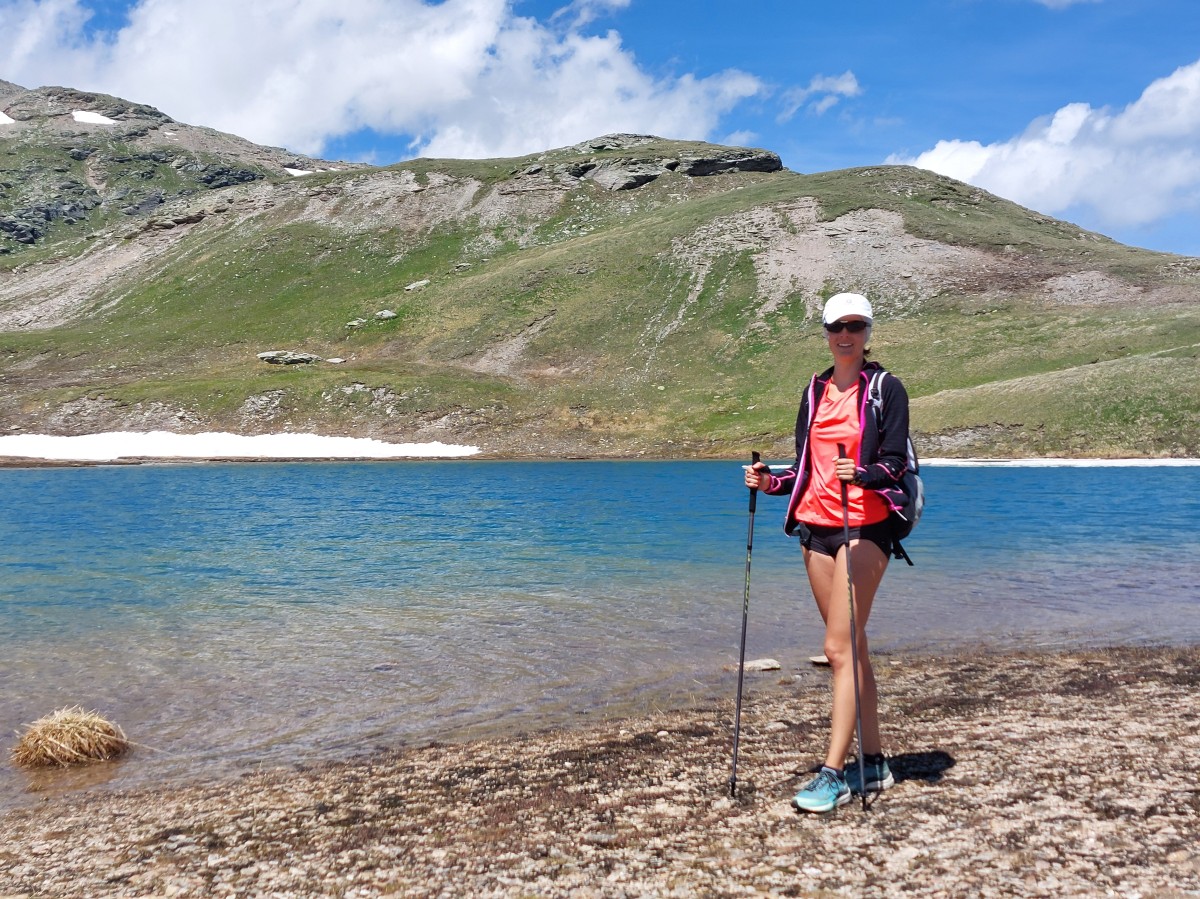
{"points": [[827, 577]]}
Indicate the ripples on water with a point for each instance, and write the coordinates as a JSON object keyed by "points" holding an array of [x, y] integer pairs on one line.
{"points": [[233, 614]]}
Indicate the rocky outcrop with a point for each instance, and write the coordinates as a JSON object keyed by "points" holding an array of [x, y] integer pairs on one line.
{"points": [[642, 160], [65, 153], [616, 142], [625, 174], [215, 176], [26, 223], [729, 159], [63, 101]]}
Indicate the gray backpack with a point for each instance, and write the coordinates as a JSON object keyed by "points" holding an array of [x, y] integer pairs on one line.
{"points": [[905, 519]]}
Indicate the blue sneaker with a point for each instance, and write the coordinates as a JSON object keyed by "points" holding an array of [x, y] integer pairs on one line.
{"points": [[824, 793], [879, 776]]}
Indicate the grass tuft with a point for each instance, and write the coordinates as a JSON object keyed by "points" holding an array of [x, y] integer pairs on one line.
{"points": [[69, 737]]}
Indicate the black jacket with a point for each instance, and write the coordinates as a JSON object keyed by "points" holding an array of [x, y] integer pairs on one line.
{"points": [[883, 443]]}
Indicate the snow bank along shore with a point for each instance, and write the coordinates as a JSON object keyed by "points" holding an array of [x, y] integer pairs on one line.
{"points": [[116, 445]]}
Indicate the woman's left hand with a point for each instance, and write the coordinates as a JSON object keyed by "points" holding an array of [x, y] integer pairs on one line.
{"points": [[846, 469]]}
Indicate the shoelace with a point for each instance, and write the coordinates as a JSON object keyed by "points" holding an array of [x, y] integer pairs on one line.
{"points": [[824, 779]]}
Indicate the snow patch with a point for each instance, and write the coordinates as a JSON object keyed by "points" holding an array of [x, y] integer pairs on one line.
{"points": [[296, 173], [113, 445], [92, 118], [6, 120]]}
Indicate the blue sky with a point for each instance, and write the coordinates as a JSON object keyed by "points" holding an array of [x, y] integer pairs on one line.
{"points": [[1087, 110]]}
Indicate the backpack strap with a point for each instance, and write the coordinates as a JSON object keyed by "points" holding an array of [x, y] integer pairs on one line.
{"points": [[875, 397], [876, 392]]}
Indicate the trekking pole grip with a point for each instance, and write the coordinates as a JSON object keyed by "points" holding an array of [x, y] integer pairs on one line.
{"points": [[755, 458]]}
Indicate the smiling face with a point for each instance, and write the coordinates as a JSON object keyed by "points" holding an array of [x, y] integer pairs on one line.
{"points": [[847, 344]]}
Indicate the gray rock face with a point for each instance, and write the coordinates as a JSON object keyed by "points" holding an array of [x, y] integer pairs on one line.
{"points": [[215, 176], [625, 175], [727, 159], [643, 161], [66, 200]]}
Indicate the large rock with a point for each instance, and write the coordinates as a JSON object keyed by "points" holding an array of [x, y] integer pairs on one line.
{"points": [[287, 357]]}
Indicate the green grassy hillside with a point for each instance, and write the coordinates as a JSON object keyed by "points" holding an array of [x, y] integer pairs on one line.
{"points": [[561, 317]]}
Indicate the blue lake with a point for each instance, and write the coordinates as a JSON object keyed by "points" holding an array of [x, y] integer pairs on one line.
{"points": [[234, 615]]}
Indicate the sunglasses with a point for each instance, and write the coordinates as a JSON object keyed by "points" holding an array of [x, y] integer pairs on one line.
{"points": [[852, 327]]}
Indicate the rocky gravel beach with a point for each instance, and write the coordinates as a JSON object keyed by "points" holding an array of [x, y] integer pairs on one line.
{"points": [[1066, 773]]}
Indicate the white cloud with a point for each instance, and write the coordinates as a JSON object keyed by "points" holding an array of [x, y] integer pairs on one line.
{"points": [[581, 12], [34, 30], [823, 92], [1124, 168], [740, 139], [540, 91], [466, 77]]}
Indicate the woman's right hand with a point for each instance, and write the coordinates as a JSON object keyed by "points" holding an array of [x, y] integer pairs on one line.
{"points": [[758, 476]]}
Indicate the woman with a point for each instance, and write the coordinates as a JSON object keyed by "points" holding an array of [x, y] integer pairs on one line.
{"points": [[836, 409]]}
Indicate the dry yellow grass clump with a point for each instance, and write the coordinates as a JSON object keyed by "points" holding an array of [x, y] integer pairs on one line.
{"points": [[69, 737]]}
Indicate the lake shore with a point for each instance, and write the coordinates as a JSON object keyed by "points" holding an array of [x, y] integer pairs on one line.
{"points": [[1041, 774]]}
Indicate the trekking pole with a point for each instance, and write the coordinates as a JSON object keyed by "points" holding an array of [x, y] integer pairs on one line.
{"points": [[737, 715], [862, 765]]}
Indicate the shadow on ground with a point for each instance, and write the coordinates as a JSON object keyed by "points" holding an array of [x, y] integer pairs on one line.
{"points": [[927, 766]]}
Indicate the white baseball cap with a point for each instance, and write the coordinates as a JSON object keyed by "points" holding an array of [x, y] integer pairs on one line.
{"points": [[842, 304]]}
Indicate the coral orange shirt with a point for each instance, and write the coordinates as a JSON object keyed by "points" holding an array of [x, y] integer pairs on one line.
{"points": [[836, 422]]}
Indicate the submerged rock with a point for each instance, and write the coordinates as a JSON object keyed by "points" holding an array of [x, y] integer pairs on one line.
{"points": [[763, 665]]}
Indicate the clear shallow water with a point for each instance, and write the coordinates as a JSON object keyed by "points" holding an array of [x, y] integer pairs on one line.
{"points": [[231, 615]]}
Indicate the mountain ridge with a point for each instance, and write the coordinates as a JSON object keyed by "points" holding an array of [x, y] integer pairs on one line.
{"points": [[625, 295]]}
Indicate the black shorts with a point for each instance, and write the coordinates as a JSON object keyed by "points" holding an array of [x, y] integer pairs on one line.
{"points": [[827, 541]]}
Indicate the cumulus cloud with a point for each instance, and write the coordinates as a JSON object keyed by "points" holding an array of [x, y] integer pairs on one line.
{"points": [[822, 92], [1125, 168], [463, 78]]}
